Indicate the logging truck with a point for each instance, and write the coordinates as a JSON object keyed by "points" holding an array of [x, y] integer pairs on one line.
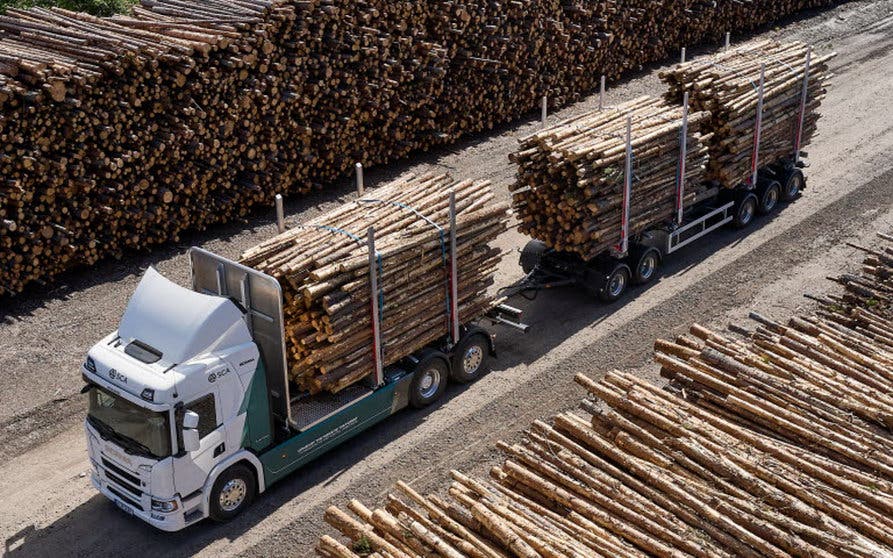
{"points": [[190, 409]]}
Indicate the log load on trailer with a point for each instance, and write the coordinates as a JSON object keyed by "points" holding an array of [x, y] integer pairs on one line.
{"points": [[204, 397], [608, 194]]}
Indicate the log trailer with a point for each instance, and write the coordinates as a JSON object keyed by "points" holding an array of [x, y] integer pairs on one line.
{"points": [[636, 259]]}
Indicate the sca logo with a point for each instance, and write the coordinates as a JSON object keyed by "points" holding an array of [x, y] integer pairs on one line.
{"points": [[117, 376]]}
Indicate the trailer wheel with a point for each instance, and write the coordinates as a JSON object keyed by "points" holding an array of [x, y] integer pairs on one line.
{"points": [[615, 284], [471, 359], [647, 266], [792, 185], [745, 211], [429, 380], [233, 491], [770, 194], [531, 255]]}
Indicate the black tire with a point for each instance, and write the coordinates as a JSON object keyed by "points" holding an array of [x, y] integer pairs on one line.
{"points": [[429, 379], [471, 359], [531, 255], [793, 182], [647, 266], [233, 491], [616, 284], [769, 194], [745, 210]]}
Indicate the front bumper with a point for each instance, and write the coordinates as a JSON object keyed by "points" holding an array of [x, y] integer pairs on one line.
{"points": [[173, 521]]}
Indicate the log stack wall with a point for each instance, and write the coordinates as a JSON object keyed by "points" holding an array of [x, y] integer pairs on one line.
{"points": [[120, 133], [774, 438]]}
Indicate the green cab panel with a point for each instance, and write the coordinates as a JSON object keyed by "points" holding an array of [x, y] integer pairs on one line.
{"points": [[258, 431], [305, 446]]}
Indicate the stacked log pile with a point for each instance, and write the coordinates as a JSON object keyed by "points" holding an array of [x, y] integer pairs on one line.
{"points": [[569, 190], [727, 86], [120, 133], [324, 269], [769, 441]]}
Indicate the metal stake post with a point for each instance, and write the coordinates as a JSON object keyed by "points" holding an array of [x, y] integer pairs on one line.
{"points": [[627, 187], [360, 185], [601, 94], [728, 40], [758, 129], [280, 214], [376, 324], [803, 98], [683, 154], [454, 273], [544, 110], [682, 57]]}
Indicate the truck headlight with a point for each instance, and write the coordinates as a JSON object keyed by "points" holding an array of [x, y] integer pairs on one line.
{"points": [[165, 506]]}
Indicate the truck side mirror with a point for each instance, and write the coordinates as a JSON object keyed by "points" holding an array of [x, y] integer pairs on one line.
{"points": [[190, 420], [190, 439]]}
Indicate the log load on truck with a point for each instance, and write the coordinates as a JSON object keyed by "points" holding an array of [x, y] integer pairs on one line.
{"points": [[204, 397]]}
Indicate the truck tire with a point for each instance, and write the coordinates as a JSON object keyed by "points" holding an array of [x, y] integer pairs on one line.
{"points": [[615, 284], [745, 210], [792, 184], [647, 265], [531, 255], [233, 491], [769, 195], [471, 359], [429, 379]]}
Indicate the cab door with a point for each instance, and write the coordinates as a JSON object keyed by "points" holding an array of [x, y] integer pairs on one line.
{"points": [[191, 468]]}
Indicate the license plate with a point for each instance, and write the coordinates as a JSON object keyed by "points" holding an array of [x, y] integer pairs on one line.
{"points": [[127, 509]]}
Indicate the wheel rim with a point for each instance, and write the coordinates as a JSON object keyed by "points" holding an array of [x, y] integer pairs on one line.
{"points": [[617, 284], [794, 186], [472, 359], [771, 199], [747, 211], [647, 267], [232, 494], [429, 383]]}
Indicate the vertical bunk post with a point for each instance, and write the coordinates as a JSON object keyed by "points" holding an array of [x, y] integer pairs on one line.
{"points": [[758, 129], [627, 188], [804, 97], [601, 94], [683, 155], [376, 317], [454, 273]]}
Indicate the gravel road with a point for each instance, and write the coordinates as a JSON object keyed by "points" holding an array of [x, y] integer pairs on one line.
{"points": [[48, 508]]}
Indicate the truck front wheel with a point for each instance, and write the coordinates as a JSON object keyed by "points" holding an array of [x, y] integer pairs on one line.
{"points": [[233, 491], [429, 379]]}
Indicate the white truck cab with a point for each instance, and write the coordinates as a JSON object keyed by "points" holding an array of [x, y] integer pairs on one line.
{"points": [[177, 356]]}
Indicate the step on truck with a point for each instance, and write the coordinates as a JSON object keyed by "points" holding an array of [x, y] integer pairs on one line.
{"points": [[190, 410]]}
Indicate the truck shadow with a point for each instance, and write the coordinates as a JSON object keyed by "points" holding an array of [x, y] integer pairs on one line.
{"points": [[97, 527], [557, 314]]}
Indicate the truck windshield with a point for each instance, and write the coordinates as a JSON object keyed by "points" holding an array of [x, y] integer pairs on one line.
{"points": [[136, 429]]}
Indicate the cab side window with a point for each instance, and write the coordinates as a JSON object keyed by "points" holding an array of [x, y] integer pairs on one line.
{"points": [[207, 413]]}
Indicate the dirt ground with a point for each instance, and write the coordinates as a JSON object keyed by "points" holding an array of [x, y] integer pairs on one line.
{"points": [[48, 508]]}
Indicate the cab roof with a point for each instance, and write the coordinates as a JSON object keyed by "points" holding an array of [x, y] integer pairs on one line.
{"points": [[177, 322]]}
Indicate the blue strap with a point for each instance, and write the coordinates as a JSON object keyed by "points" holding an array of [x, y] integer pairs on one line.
{"points": [[378, 259], [440, 231]]}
